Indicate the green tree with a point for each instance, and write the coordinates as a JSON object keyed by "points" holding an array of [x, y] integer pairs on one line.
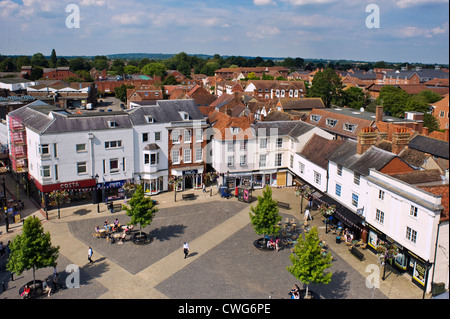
{"points": [[121, 92], [354, 97], [154, 69], [430, 96], [393, 100], [38, 59], [430, 122], [53, 59], [79, 63], [36, 73], [141, 209], [100, 63], [62, 62], [131, 69], [118, 66], [265, 215], [22, 61], [328, 86], [308, 262], [32, 249]]}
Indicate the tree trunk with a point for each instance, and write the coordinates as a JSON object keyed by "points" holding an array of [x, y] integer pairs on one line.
{"points": [[307, 295], [34, 275]]}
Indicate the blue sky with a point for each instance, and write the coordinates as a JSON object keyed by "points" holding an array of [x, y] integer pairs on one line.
{"points": [[410, 30]]}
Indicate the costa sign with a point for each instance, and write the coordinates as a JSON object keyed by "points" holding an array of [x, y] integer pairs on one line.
{"points": [[87, 183]]}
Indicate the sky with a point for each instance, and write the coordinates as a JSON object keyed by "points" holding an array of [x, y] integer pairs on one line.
{"points": [[413, 31]]}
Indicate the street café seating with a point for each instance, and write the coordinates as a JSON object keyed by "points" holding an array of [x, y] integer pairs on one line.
{"points": [[188, 196]]}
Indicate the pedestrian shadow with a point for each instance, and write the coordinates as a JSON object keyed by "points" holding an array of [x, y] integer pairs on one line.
{"points": [[193, 254], [167, 232], [81, 212]]}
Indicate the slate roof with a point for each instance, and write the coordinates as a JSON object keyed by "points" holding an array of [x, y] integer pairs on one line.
{"points": [[151, 147], [346, 156], [430, 145], [47, 119], [281, 128], [318, 148], [301, 103], [165, 111]]}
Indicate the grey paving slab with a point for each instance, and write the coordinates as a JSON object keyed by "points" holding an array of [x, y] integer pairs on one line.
{"points": [[170, 228], [236, 269]]}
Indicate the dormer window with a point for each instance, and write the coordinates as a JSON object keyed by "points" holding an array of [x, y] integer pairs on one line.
{"points": [[234, 130], [184, 116], [112, 124], [331, 122], [349, 127], [315, 118], [150, 119]]}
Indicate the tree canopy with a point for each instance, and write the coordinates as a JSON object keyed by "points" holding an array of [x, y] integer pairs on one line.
{"points": [[327, 85], [265, 215], [140, 208], [309, 265], [32, 249]]}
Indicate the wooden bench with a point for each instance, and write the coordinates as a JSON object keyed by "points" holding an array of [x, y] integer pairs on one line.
{"points": [[283, 205], [188, 196], [357, 253]]}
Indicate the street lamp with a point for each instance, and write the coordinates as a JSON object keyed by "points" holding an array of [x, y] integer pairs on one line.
{"points": [[96, 194], [5, 205]]}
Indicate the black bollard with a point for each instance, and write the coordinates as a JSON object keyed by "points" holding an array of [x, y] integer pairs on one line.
{"points": [[3, 286]]}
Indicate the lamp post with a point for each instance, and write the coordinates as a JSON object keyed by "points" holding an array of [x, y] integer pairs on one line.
{"points": [[5, 205], [96, 194]]}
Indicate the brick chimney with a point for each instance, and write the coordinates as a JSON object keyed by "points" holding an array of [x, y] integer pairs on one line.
{"points": [[400, 139], [379, 114], [366, 139]]}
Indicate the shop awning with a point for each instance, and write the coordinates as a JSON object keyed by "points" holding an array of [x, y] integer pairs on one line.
{"points": [[348, 217], [342, 213]]}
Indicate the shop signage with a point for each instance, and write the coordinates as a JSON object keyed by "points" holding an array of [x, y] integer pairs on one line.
{"points": [[190, 172], [114, 184], [360, 211], [66, 185]]}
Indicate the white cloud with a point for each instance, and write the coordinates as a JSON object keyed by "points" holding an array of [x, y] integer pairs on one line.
{"points": [[97, 3], [263, 2], [305, 2], [263, 31], [410, 3], [412, 32]]}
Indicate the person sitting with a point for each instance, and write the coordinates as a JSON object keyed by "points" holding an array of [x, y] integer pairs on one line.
{"points": [[123, 237], [294, 289], [271, 244], [26, 292], [46, 288], [116, 222], [97, 229]]}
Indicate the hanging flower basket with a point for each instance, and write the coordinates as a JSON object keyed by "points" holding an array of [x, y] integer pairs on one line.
{"points": [[327, 210]]}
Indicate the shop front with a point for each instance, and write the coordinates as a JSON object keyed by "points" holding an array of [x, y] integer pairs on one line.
{"points": [[404, 261], [189, 177], [111, 191], [78, 192], [258, 179]]}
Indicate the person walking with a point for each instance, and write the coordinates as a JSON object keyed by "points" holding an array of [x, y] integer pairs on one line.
{"points": [[186, 249], [90, 252], [307, 215]]}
